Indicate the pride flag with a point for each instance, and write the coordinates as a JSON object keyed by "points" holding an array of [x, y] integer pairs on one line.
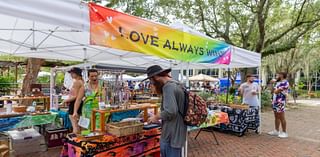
{"points": [[117, 30]]}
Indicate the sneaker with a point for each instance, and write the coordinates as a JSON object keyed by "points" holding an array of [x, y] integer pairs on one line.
{"points": [[274, 133], [283, 135]]}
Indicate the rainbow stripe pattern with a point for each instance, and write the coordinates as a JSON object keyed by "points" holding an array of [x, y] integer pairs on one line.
{"points": [[117, 30]]}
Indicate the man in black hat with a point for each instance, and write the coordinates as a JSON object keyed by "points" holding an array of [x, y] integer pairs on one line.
{"points": [[173, 133], [75, 98]]}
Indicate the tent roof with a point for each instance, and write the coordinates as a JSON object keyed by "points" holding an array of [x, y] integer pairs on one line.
{"points": [[203, 77], [60, 30], [106, 66]]}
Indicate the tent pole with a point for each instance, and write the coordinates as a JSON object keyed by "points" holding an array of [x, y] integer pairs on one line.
{"points": [[52, 82], [16, 76], [228, 85], [188, 73], [259, 71]]}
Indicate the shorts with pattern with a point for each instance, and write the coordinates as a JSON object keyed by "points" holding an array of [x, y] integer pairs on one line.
{"points": [[278, 107], [279, 102]]}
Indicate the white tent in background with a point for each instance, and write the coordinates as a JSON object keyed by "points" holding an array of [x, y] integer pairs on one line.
{"points": [[43, 73], [59, 29], [141, 77], [125, 77], [203, 77]]}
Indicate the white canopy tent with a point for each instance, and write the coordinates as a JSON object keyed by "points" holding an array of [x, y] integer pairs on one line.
{"points": [[60, 30], [203, 77]]}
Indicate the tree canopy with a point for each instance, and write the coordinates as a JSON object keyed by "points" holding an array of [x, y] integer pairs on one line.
{"points": [[265, 26]]}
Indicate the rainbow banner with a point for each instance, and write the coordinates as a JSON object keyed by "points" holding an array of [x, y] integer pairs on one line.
{"points": [[117, 30]]}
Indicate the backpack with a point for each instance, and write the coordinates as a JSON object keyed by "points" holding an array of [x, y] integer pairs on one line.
{"points": [[195, 109]]}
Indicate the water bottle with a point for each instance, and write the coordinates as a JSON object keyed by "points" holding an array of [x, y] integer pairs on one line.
{"points": [[9, 107], [34, 104]]}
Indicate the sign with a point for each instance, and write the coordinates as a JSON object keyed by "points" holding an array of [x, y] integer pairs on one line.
{"points": [[117, 30], [84, 122]]}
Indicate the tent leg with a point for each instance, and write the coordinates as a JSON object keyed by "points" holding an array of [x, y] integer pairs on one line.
{"points": [[228, 86], [198, 134], [259, 128], [187, 72]]}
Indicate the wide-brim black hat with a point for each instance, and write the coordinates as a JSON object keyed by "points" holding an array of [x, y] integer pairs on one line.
{"points": [[155, 70], [76, 70]]}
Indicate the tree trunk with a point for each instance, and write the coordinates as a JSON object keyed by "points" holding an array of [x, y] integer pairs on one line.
{"points": [[32, 69]]}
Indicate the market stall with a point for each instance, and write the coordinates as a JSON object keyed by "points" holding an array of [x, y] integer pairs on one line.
{"points": [[66, 36]]}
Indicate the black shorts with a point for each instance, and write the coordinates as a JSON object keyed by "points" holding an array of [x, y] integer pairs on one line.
{"points": [[71, 108]]}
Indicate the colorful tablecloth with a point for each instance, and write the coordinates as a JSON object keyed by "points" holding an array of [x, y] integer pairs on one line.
{"points": [[27, 121], [241, 119], [142, 144], [214, 118]]}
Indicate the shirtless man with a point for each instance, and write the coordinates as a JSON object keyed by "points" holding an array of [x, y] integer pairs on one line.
{"points": [[75, 98]]}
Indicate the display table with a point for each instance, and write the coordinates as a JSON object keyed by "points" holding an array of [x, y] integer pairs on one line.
{"points": [[241, 119], [146, 143], [28, 121], [214, 118], [103, 114], [46, 100]]}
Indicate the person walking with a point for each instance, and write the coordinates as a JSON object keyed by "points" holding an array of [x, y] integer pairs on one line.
{"points": [[174, 130], [280, 93]]}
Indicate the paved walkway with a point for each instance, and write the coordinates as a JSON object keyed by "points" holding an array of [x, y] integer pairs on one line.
{"points": [[307, 102], [303, 141]]}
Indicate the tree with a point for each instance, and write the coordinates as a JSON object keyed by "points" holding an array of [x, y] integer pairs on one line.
{"points": [[265, 26], [32, 69]]}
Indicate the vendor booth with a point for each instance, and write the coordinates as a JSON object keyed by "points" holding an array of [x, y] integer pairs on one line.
{"points": [[77, 31]]}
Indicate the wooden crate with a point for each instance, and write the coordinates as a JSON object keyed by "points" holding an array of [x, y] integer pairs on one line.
{"points": [[4, 146], [55, 137], [124, 128]]}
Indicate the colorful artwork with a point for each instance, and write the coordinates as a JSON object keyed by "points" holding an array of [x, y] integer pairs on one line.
{"points": [[121, 31], [142, 144], [214, 118], [241, 119]]}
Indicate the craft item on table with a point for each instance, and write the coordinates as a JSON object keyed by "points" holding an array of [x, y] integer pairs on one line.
{"points": [[124, 128], [8, 107], [31, 109], [142, 144], [84, 122], [27, 141], [20, 109], [118, 116], [132, 119], [213, 119], [150, 126]]}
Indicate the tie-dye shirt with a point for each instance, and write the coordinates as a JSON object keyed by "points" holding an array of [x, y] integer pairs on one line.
{"points": [[282, 96]]}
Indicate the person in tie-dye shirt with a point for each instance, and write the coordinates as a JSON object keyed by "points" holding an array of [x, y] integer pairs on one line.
{"points": [[279, 101]]}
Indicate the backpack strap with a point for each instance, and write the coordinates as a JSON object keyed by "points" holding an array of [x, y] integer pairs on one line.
{"points": [[186, 97]]}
